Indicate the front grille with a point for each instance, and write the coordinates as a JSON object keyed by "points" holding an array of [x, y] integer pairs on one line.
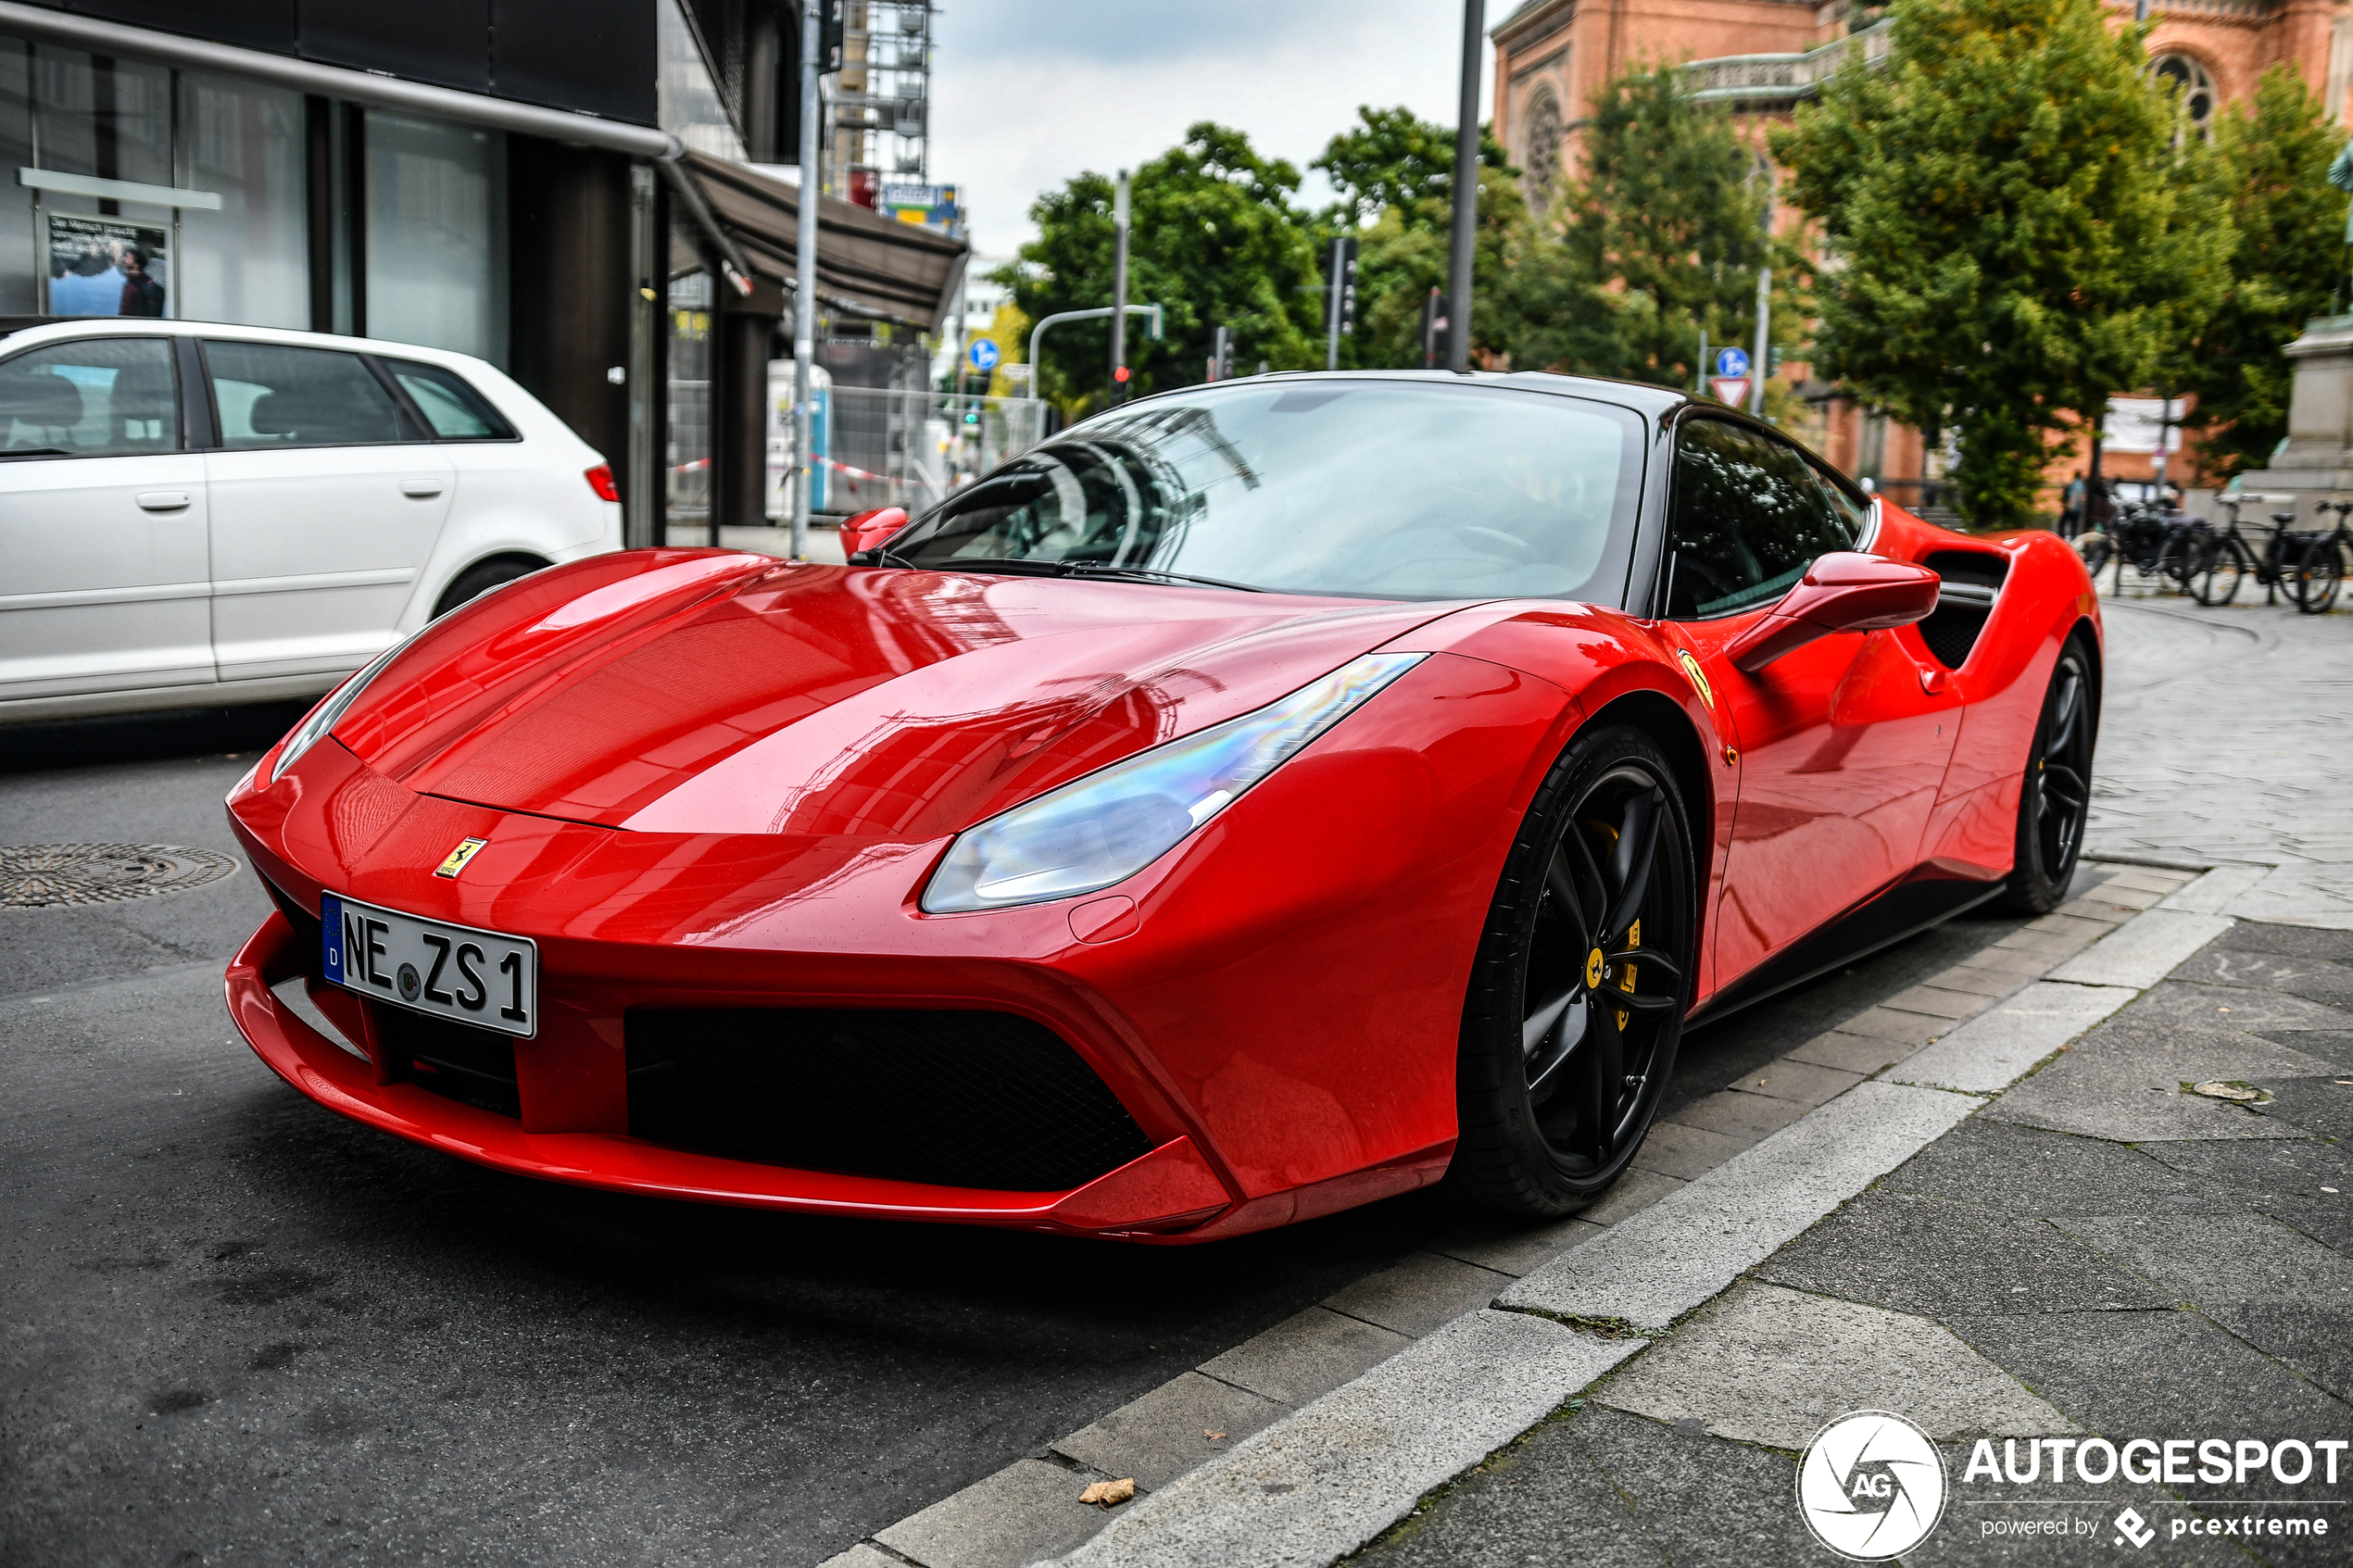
{"points": [[965, 1100], [306, 924], [459, 1061], [471, 1066]]}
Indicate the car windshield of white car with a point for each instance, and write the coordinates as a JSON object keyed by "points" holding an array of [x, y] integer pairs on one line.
{"points": [[1381, 489]]}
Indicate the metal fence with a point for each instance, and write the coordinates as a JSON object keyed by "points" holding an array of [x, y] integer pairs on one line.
{"points": [[885, 448]]}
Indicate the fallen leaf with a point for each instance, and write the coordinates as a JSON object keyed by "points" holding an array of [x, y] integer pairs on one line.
{"points": [[2236, 1093], [1215, 1437], [1109, 1494]]}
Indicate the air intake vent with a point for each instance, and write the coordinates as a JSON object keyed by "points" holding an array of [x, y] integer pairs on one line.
{"points": [[965, 1100], [1972, 582]]}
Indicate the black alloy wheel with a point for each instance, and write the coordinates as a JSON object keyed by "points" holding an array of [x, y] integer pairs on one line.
{"points": [[2216, 573], [2055, 802], [1579, 992], [2320, 574]]}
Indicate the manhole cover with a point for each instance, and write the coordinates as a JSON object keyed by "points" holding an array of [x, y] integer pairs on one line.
{"points": [[57, 877]]}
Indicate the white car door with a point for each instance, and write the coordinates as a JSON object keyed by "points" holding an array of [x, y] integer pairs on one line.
{"points": [[326, 500], [103, 582]]}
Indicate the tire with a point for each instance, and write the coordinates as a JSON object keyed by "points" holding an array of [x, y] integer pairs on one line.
{"points": [[2096, 549], [2216, 574], [482, 576], [1557, 1087], [2319, 575], [2174, 559], [2055, 798]]}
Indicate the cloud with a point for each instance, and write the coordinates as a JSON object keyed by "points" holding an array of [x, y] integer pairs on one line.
{"points": [[1029, 93]]}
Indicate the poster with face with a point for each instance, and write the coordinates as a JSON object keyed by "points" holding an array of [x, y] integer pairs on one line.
{"points": [[106, 267]]}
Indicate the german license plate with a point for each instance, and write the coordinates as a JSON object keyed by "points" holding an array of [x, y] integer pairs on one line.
{"points": [[476, 977]]}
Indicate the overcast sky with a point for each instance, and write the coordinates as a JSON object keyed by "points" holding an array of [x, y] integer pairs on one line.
{"points": [[1029, 93]]}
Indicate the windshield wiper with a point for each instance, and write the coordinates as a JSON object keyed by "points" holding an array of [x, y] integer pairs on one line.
{"points": [[1154, 574], [1016, 566]]}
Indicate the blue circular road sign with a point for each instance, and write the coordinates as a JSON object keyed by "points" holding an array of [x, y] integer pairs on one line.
{"points": [[1733, 362], [983, 354]]}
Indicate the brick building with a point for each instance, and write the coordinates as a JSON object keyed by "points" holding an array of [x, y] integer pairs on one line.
{"points": [[1765, 57]]}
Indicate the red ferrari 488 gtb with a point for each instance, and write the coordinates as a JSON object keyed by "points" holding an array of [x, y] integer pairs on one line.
{"points": [[1259, 799]]}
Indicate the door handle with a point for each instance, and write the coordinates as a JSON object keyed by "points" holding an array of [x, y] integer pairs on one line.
{"points": [[420, 489], [162, 501]]}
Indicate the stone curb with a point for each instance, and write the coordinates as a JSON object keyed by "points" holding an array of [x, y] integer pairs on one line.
{"points": [[1321, 1483], [1642, 1274]]}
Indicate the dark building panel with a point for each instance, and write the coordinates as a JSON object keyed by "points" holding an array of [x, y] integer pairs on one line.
{"points": [[443, 41], [597, 58], [254, 24], [571, 294]]}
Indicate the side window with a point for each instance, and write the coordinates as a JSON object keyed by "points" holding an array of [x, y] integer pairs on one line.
{"points": [[1747, 518], [271, 395], [109, 397], [1854, 517], [454, 409]]}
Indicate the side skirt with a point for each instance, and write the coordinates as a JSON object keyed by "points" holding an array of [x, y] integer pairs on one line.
{"points": [[1905, 909]]}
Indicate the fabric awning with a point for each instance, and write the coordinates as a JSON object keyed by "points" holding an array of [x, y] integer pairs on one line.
{"points": [[867, 264]]}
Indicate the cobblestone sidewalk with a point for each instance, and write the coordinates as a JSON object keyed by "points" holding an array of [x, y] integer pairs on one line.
{"points": [[2102, 1250], [2224, 736]]}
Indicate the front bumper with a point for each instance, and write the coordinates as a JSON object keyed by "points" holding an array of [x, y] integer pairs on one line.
{"points": [[1169, 1190]]}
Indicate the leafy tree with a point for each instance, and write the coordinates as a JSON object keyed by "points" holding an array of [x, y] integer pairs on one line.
{"points": [[1390, 158], [2269, 169], [1213, 240], [2012, 224], [1660, 237]]}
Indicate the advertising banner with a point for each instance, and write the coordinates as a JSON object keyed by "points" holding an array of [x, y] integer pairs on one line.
{"points": [[106, 266]]}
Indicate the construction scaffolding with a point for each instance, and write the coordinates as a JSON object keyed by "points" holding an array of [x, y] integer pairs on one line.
{"points": [[880, 107]]}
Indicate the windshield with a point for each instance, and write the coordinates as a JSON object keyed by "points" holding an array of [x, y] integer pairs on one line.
{"points": [[1367, 488]]}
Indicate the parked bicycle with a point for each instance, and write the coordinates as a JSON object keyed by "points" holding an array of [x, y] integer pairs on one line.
{"points": [[2305, 567], [2138, 532]]}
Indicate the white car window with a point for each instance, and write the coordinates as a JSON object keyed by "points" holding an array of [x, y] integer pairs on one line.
{"points": [[271, 395], [100, 397], [454, 410]]}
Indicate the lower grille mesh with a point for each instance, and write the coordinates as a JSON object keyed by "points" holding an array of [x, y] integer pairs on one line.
{"points": [[965, 1099]]}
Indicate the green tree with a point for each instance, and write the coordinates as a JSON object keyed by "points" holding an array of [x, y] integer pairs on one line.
{"points": [[1659, 237], [1394, 174], [2269, 169], [1214, 239], [1390, 158], [2014, 228]]}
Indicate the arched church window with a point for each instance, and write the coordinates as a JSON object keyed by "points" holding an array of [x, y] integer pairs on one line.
{"points": [[1540, 158], [2192, 87]]}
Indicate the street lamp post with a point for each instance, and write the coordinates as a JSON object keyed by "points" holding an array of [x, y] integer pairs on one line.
{"points": [[1119, 292], [1458, 290], [1154, 320], [804, 303]]}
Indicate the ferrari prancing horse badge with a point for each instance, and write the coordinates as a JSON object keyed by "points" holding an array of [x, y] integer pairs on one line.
{"points": [[467, 849]]}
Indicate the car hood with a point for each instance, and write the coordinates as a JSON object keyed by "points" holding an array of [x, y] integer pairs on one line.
{"points": [[825, 700]]}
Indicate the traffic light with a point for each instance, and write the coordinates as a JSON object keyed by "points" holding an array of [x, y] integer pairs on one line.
{"points": [[1346, 283], [1772, 362], [1433, 330], [832, 22]]}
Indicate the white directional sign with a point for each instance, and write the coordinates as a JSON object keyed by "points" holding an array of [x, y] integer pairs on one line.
{"points": [[983, 354], [1731, 390]]}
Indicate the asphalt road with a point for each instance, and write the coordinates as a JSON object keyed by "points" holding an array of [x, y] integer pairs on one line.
{"points": [[239, 1329]]}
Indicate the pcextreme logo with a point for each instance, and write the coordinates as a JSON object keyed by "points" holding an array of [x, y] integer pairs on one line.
{"points": [[1872, 1485]]}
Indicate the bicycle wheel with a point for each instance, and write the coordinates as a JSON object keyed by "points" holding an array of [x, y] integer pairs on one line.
{"points": [[2319, 575], [2096, 549], [2214, 576], [2181, 547]]}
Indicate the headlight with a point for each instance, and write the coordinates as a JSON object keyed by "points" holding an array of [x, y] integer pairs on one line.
{"points": [[1108, 826], [322, 718]]}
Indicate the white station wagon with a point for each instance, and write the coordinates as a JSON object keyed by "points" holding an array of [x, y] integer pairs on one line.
{"points": [[193, 514]]}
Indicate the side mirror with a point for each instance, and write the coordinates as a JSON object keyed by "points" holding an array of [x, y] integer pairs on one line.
{"points": [[1841, 592], [869, 529]]}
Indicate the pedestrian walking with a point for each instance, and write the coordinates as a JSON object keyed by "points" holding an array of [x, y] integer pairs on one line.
{"points": [[2071, 508]]}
